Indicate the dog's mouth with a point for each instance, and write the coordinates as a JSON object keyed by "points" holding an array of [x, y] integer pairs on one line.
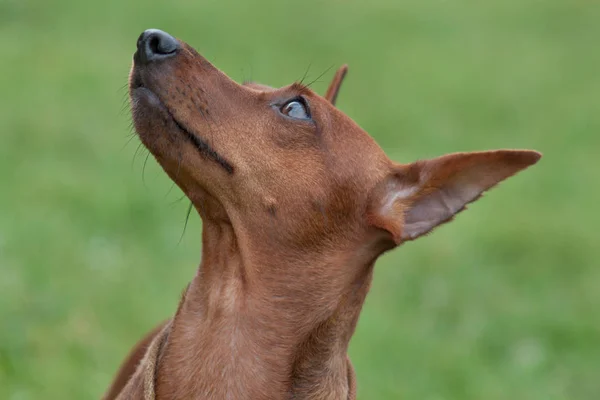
{"points": [[138, 88]]}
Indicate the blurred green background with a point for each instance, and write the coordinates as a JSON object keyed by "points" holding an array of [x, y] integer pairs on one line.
{"points": [[504, 303]]}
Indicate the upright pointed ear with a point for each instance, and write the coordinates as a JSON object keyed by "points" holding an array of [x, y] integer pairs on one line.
{"points": [[336, 83], [417, 197]]}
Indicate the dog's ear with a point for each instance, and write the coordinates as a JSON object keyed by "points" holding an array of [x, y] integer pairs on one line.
{"points": [[415, 198], [336, 83]]}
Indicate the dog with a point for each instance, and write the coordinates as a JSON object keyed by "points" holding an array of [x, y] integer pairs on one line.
{"points": [[297, 204]]}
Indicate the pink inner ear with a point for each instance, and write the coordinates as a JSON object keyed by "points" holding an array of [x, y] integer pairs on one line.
{"points": [[433, 191], [436, 208]]}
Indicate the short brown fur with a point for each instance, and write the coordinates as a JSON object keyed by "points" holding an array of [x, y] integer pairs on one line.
{"points": [[295, 214]]}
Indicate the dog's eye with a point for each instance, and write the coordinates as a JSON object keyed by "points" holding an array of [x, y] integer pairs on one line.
{"points": [[296, 108]]}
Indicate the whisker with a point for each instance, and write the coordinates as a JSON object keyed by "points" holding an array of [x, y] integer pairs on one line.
{"points": [[131, 137], [179, 158], [170, 189], [135, 154], [306, 73], [124, 108], [187, 217], [144, 169], [183, 196], [319, 77], [124, 86]]}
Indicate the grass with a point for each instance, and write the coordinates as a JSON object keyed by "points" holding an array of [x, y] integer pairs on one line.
{"points": [[502, 303]]}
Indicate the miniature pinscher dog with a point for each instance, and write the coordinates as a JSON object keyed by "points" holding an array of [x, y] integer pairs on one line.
{"points": [[297, 203]]}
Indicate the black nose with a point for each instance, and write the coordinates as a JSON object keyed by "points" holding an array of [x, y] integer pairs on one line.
{"points": [[154, 44]]}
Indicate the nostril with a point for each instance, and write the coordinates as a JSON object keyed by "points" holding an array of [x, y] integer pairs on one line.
{"points": [[154, 44]]}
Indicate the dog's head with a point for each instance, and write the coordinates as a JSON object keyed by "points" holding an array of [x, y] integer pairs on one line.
{"points": [[285, 164]]}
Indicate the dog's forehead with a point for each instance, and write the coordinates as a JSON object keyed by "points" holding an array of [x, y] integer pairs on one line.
{"points": [[258, 86], [294, 87]]}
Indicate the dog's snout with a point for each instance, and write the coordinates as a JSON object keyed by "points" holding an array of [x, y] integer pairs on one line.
{"points": [[154, 44]]}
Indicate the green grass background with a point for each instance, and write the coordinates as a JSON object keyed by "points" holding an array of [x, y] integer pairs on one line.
{"points": [[504, 303]]}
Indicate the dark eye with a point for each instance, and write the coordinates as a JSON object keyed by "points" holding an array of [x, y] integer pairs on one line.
{"points": [[296, 108]]}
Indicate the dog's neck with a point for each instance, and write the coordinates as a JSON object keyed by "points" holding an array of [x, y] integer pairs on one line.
{"points": [[263, 328]]}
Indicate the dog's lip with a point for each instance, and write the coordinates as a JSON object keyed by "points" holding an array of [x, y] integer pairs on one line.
{"points": [[137, 81], [152, 98], [139, 88]]}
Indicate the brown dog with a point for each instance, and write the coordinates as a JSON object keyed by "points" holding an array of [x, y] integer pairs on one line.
{"points": [[297, 204]]}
